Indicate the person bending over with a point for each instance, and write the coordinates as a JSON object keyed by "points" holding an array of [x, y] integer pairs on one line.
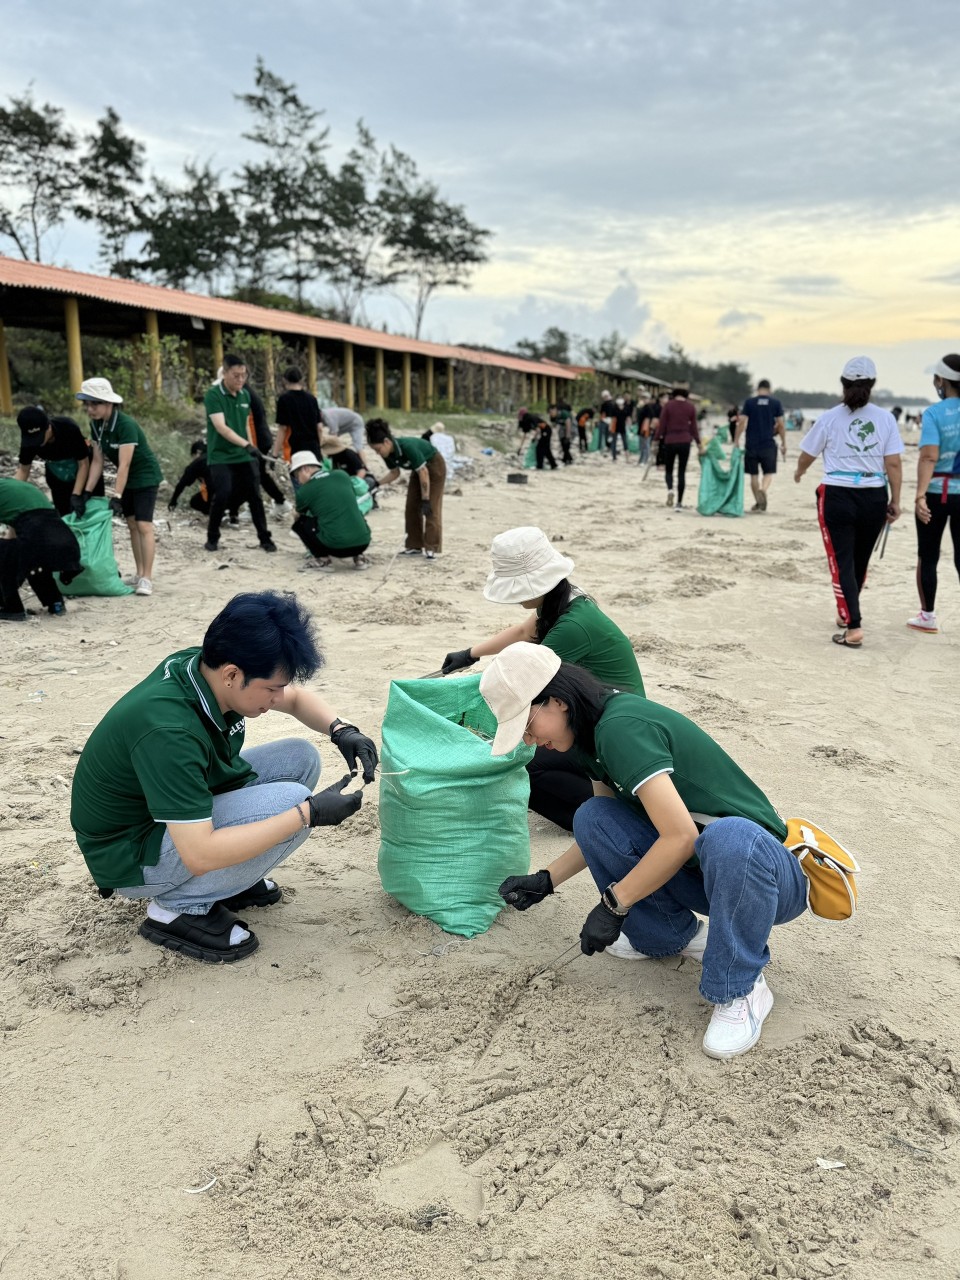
{"points": [[39, 545], [424, 513], [168, 805], [59, 444], [329, 523]]}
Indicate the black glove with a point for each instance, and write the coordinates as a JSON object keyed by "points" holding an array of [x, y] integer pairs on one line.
{"points": [[526, 891], [354, 745], [459, 660], [78, 504], [328, 808], [252, 449], [600, 928], [425, 508], [172, 504], [116, 506]]}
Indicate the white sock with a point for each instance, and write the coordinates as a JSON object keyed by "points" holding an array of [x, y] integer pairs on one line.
{"points": [[163, 916]]}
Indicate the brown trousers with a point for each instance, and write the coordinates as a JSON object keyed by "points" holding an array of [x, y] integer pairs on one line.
{"points": [[425, 533]]}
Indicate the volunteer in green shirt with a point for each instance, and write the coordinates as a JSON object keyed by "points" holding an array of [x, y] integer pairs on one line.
{"points": [[118, 437], [167, 805], [675, 827], [232, 456], [428, 475], [40, 545], [329, 523], [527, 570]]}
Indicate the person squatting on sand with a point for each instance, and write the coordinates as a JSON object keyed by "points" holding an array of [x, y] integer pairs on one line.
{"points": [[861, 449], [39, 545], [675, 827], [424, 511], [166, 803], [938, 487], [120, 438], [527, 570], [329, 522]]}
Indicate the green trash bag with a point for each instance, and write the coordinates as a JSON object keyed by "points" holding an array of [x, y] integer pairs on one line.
{"points": [[633, 438], [453, 818], [94, 532], [530, 457], [595, 440], [364, 496], [721, 481]]}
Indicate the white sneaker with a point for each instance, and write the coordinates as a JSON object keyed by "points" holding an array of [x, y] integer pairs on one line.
{"points": [[131, 579], [694, 949], [281, 509], [924, 622], [670, 498], [144, 587], [735, 1026]]}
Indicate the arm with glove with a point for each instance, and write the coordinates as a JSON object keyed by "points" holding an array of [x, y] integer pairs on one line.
{"points": [[359, 751], [460, 659]]}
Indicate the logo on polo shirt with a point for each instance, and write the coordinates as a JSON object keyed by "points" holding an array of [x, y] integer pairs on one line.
{"points": [[238, 727]]}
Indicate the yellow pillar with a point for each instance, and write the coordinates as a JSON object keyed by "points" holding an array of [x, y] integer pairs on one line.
{"points": [[431, 395], [381, 379], [216, 344], [312, 364], [451, 390], [486, 386], [553, 390], [6, 392], [348, 375], [71, 316], [361, 389], [152, 325], [406, 398]]}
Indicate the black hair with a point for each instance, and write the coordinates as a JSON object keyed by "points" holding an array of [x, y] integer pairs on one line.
{"points": [[584, 696], [680, 391], [233, 362], [293, 374], [556, 602], [952, 362], [763, 383], [198, 446], [856, 392], [427, 434], [378, 430], [265, 633]]}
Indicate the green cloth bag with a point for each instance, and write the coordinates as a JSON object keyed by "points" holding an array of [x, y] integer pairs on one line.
{"points": [[595, 439], [364, 496], [94, 532], [453, 818], [633, 438], [721, 481], [530, 457]]}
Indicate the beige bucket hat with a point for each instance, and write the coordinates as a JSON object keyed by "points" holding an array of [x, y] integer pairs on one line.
{"points": [[524, 566], [304, 459], [509, 685], [98, 389]]}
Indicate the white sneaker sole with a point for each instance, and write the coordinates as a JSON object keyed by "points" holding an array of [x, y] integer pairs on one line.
{"points": [[624, 950]]}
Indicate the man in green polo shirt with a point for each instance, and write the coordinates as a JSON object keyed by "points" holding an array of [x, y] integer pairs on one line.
{"points": [[330, 523], [40, 546], [424, 492], [232, 455], [167, 805]]}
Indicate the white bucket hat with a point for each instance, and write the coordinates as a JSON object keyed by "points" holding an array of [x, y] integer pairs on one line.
{"points": [[98, 389], [858, 369], [525, 566], [509, 685], [304, 459]]}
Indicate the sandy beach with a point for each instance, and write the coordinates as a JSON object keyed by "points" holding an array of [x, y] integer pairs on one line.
{"points": [[367, 1096]]}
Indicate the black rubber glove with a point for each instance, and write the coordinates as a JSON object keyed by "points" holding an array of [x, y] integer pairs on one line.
{"points": [[116, 506], [172, 504], [459, 660], [526, 891], [328, 808], [353, 746], [252, 449], [78, 504], [425, 508], [600, 928]]}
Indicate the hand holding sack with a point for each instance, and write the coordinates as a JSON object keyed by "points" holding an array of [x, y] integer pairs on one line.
{"points": [[78, 504], [116, 506], [524, 892], [328, 808], [458, 660], [353, 746]]}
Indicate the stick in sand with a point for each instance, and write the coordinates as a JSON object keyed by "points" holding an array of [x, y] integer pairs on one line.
{"points": [[387, 574]]}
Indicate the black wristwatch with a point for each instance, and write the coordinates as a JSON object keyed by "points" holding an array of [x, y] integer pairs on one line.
{"points": [[335, 723], [612, 902]]}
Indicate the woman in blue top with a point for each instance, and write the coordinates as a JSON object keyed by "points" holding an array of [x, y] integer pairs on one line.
{"points": [[938, 487]]}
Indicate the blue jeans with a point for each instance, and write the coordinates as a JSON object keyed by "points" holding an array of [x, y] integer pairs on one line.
{"points": [[644, 454], [287, 772], [746, 883]]}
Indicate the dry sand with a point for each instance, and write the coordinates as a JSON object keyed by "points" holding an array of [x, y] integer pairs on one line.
{"points": [[376, 1098]]}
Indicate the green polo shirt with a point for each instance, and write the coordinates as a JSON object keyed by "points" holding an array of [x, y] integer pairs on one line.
{"points": [[159, 755], [17, 496], [329, 496], [585, 636], [411, 453], [636, 739], [236, 412], [120, 429]]}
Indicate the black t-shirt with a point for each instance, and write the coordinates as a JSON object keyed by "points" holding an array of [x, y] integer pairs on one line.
{"points": [[349, 461], [622, 414], [299, 411], [648, 412], [531, 422], [67, 443]]}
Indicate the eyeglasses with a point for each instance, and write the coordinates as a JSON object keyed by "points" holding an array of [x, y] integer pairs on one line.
{"points": [[527, 731]]}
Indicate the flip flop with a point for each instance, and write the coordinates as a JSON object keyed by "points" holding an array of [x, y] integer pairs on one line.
{"points": [[204, 938], [841, 639], [258, 895]]}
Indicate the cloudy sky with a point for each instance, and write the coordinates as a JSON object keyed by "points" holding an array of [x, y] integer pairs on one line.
{"points": [[763, 185]]}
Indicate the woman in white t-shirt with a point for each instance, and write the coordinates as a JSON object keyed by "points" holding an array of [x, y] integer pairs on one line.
{"points": [[861, 449]]}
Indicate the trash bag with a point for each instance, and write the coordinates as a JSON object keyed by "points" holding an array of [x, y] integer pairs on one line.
{"points": [[721, 481], [530, 457], [633, 438], [94, 532], [364, 496], [453, 818], [595, 440]]}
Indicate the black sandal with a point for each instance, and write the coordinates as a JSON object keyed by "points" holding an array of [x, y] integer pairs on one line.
{"points": [[204, 937], [258, 895]]}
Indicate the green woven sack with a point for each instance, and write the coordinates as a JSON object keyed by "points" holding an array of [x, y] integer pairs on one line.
{"points": [[94, 532], [633, 438], [721, 481], [530, 457], [453, 818], [596, 440], [364, 496]]}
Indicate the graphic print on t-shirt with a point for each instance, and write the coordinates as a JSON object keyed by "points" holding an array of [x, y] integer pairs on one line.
{"points": [[861, 430]]}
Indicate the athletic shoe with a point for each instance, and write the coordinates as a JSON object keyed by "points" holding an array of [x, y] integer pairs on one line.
{"points": [[924, 622], [281, 509], [681, 507], [735, 1026], [211, 546], [10, 615], [269, 545], [411, 551], [131, 579], [694, 949], [361, 562], [58, 609], [144, 587], [430, 555], [670, 498]]}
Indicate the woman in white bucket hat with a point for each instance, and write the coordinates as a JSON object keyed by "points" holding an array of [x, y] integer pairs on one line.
{"points": [[528, 570]]}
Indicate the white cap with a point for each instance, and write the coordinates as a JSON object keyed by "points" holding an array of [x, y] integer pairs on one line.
{"points": [[942, 370], [525, 566], [510, 684], [858, 369], [98, 389], [303, 459]]}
